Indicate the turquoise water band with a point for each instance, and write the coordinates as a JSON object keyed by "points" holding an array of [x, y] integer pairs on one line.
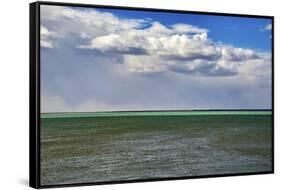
{"points": [[150, 113]]}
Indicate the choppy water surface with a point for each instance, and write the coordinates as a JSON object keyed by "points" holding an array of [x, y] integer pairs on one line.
{"points": [[95, 148]]}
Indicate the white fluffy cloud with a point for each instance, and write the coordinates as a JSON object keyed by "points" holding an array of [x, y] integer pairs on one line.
{"points": [[159, 49], [47, 37], [268, 27], [186, 28], [87, 22], [146, 45], [157, 40]]}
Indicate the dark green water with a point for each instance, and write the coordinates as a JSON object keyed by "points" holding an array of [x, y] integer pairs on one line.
{"points": [[91, 147]]}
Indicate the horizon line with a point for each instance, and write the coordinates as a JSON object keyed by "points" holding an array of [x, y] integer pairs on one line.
{"points": [[169, 110]]}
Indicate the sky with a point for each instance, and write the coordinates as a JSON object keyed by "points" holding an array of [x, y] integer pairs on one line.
{"points": [[95, 59]]}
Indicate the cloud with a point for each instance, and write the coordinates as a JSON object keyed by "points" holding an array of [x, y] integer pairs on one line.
{"points": [[116, 43], [53, 103], [105, 62], [186, 28], [146, 45], [230, 53], [86, 22], [47, 37], [157, 40], [268, 27], [159, 49]]}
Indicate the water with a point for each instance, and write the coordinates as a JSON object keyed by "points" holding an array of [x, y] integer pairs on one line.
{"points": [[96, 147]]}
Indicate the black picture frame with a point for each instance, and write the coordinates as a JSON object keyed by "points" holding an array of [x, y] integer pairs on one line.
{"points": [[34, 91]]}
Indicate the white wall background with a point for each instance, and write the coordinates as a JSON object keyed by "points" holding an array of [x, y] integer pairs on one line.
{"points": [[14, 95]]}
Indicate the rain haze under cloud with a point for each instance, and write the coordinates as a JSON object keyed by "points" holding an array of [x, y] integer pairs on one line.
{"points": [[105, 60]]}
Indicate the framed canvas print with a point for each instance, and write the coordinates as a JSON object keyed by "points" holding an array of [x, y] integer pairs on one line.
{"points": [[120, 94]]}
